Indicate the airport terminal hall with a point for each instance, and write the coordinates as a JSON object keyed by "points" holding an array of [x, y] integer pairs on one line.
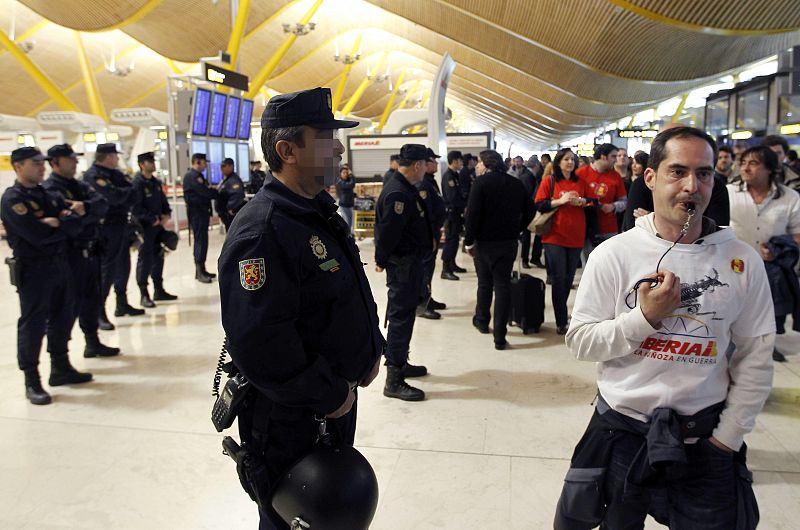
{"points": [[400, 264]]}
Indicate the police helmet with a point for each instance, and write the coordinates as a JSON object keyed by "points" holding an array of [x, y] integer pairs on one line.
{"points": [[331, 488]]}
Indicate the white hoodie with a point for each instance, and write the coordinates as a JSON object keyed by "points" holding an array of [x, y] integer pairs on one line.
{"points": [[716, 347]]}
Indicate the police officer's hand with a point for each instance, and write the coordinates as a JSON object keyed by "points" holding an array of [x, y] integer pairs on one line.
{"points": [[164, 218], [51, 221], [77, 206], [346, 406], [659, 301], [378, 268], [372, 374]]}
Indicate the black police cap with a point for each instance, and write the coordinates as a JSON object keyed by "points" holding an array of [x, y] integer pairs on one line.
{"points": [[24, 153], [414, 152], [144, 157], [108, 149], [432, 155], [62, 150], [308, 107], [228, 162]]}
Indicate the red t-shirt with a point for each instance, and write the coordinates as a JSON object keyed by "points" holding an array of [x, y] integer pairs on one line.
{"points": [[569, 222], [608, 188]]}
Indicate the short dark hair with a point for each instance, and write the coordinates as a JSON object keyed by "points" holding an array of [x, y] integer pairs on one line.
{"points": [[404, 162], [766, 156], [492, 160], [791, 154], [452, 156], [726, 149], [658, 149], [198, 156], [604, 150], [394, 158], [641, 158], [557, 173], [546, 157], [776, 139], [100, 157], [270, 137]]}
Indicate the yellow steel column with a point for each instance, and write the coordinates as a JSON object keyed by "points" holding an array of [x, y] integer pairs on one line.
{"points": [[92, 92], [679, 110], [388, 109], [425, 99], [40, 77], [353, 101], [238, 30], [337, 96], [262, 76], [409, 93]]}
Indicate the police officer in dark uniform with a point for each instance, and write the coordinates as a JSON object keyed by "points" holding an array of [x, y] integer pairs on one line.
{"points": [[231, 193], [434, 205], [112, 184], [257, 177], [84, 250], [392, 169], [300, 319], [455, 200], [38, 225], [403, 237], [198, 194], [151, 210]]}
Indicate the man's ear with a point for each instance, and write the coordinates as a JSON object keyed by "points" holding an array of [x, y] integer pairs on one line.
{"points": [[650, 178], [286, 152]]}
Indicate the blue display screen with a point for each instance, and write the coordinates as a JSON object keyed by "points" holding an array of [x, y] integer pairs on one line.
{"points": [[214, 160], [244, 119], [202, 102], [232, 117], [217, 120], [244, 162]]}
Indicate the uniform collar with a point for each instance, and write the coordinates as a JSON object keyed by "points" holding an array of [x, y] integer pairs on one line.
{"points": [[290, 201], [60, 178], [22, 188], [399, 176]]}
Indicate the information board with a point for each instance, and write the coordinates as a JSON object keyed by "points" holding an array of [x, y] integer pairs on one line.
{"points": [[244, 119], [202, 103], [217, 120], [232, 117]]}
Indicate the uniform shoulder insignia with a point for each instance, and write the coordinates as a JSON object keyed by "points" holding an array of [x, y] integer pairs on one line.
{"points": [[423, 194], [20, 209], [236, 186], [399, 206], [101, 182], [451, 183], [318, 247], [252, 274], [199, 180], [34, 205]]}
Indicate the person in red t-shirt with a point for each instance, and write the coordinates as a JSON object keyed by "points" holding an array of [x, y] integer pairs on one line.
{"points": [[605, 186], [562, 245]]}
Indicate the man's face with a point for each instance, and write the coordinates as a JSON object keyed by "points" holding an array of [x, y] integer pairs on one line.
{"points": [[431, 166], [685, 175], [724, 161], [111, 161], [778, 150], [517, 162], [621, 158], [344, 173], [473, 163], [321, 156], [30, 171], [226, 169], [66, 166], [201, 165], [754, 172], [393, 165], [457, 164], [606, 163], [480, 169]]}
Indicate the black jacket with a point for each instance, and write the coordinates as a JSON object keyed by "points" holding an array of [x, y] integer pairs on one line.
{"points": [[75, 190], [196, 191], [388, 176], [345, 191], [402, 226], [150, 200], [499, 209], [783, 281], [115, 187], [296, 305], [434, 204], [231, 195], [455, 197]]}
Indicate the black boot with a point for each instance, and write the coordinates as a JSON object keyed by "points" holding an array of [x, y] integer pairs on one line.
{"points": [[200, 274], [95, 348], [124, 308], [777, 356], [448, 275], [159, 294], [409, 370], [436, 306], [103, 322], [63, 373], [396, 386], [209, 274], [146, 301], [33, 389], [456, 268], [425, 311]]}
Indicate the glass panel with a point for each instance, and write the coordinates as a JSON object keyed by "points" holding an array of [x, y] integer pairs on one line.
{"points": [[751, 109], [789, 109], [717, 116]]}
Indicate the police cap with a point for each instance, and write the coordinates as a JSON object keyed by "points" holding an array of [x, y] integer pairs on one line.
{"points": [[62, 150], [414, 152], [432, 156], [24, 153], [228, 162], [307, 107], [108, 149], [145, 157]]}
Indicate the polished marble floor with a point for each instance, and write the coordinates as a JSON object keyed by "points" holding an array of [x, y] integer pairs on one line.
{"points": [[135, 449]]}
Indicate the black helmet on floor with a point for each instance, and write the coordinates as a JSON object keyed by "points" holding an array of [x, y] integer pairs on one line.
{"points": [[331, 488], [169, 239]]}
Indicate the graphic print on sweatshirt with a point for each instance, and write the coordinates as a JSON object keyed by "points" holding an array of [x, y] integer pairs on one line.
{"points": [[687, 336]]}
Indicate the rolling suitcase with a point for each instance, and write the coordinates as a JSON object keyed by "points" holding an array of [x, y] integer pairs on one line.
{"points": [[527, 300]]}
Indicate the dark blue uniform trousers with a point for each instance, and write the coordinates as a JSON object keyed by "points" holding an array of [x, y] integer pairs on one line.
{"points": [[198, 220], [452, 233], [493, 263], [85, 268], [116, 262], [45, 308], [428, 267], [150, 262], [403, 278]]}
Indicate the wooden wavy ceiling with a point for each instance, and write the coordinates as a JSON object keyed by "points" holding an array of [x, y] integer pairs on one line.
{"points": [[536, 70]]}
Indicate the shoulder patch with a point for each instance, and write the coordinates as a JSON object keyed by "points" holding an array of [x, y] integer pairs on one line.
{"points": [[20, 208], [199, 180], [252, 274], [101, 182], [399, 206], [423, 194], [451, 183], [318, 247], [237, 186], [34, 205]]}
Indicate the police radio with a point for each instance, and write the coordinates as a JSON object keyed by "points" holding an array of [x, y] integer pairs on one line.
{"points": [[227, 405]]}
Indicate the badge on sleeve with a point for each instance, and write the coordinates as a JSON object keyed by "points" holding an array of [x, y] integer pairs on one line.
{"points": [[34, 205], [423, 194], [398, 207], [19, 209], [737, 265], [451, 183], [101, 182], [199, 180], [252, 273], [318, 247]]}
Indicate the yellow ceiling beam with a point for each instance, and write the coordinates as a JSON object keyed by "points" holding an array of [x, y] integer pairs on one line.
{"points": [[29, 33], [390, 103], [409, 93], [425, 98], [353, 101], [92, 92], [263, 74], [136, 17], [172, 65], [238, 30], [679, 110], [337, 96], [40, 77]]}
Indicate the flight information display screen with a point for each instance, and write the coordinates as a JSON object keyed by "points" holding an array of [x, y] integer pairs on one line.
{"points": [[217, 120], [244, 119], [214, 160], [232, 117], [244, 162], [202, 102]]}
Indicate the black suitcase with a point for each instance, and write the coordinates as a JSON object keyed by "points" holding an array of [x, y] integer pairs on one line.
{"points": [[527, 301]]}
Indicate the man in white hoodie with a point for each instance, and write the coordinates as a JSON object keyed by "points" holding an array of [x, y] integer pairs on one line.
{"points": [[684, 360]]}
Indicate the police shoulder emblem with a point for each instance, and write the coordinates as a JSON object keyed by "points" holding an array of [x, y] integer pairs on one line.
{"points": [[19, 209], [252, 273], [737, 265], [34, 205], [399, 206], [101, 182], [199, 180], [318, 247], [451, 183], [423, 194], [236, 186]]}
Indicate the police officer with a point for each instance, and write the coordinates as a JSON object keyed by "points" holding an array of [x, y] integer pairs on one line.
{"points": [[455, 200], [231, 193], [257, 177], [403, 237], [300, 319], [83, 254], [151, 210], [434, 205], [198, 194], [112, 184], [38, 224], [392, 169]]}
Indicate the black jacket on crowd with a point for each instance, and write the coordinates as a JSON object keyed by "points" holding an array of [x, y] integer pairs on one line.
{"points": [[499, 209]]}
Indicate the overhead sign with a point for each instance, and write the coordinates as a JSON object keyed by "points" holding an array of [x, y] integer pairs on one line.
{"points": [[637, 133], [741, 135], [224, 77], [473, 141], [790, 129]]}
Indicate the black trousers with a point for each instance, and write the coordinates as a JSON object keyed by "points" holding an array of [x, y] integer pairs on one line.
{"points": [[150, 262], [198, 221], [116, 259], [428, 267], [536, 254], [452, 233], [46, 308], [84, 267], [403, 277], [493, 263], [561, 265]]}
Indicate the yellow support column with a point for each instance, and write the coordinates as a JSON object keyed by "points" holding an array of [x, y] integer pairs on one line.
{"points": [[411, 92], [92, 92], [679, 110], [238, 30], [353, 101], [390, 103], [337, 96], [40, 77], [262, 76], [425, 99]]}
